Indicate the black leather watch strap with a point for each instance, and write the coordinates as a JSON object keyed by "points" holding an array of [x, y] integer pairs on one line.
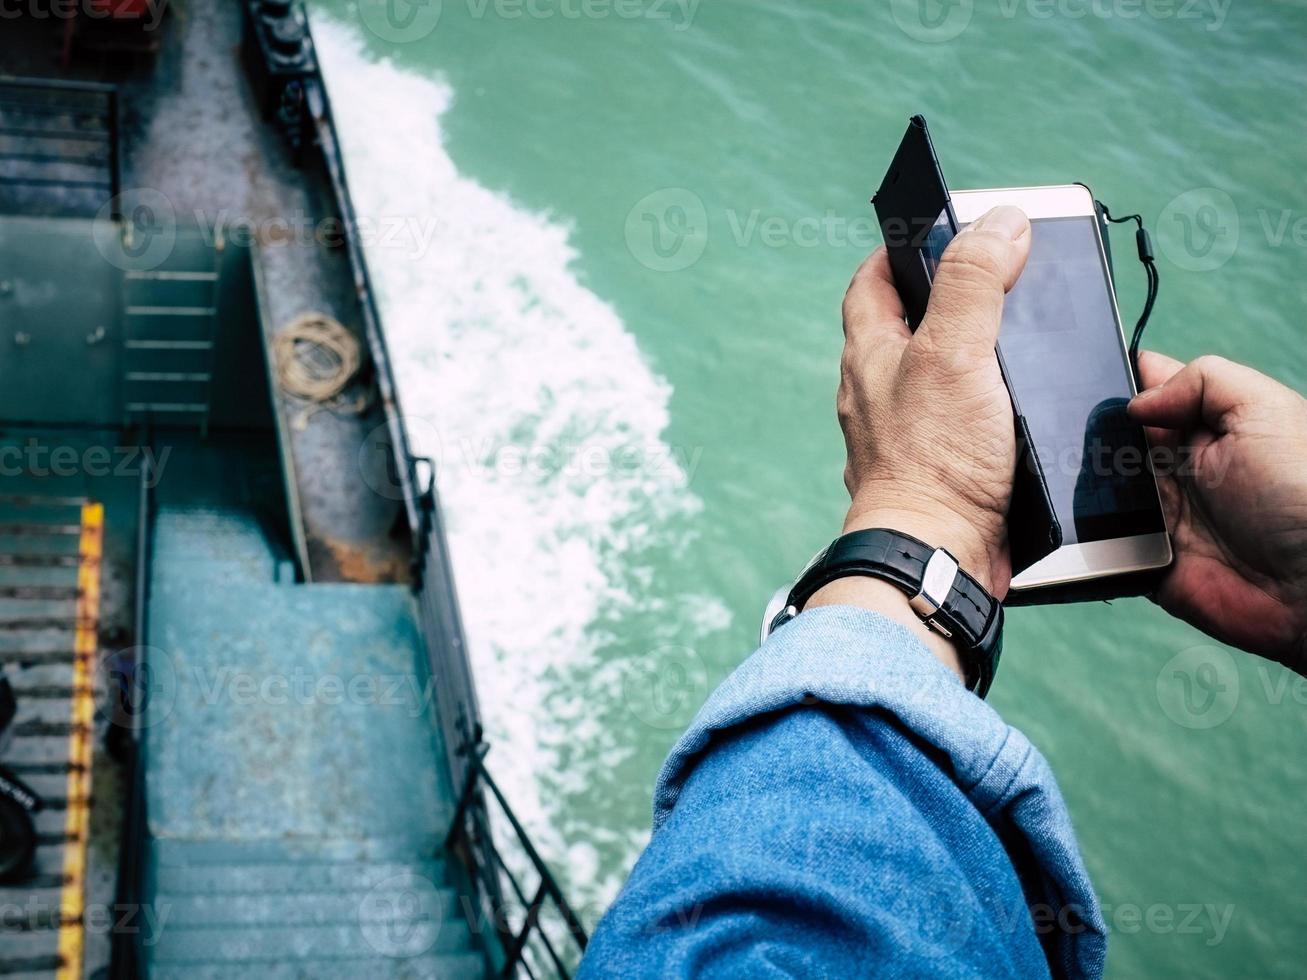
{"points": [[949, 600]]}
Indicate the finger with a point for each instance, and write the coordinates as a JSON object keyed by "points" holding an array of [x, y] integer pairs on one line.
{"points": [[873, 311], [1157, 369], [1208, 391], [976, 270], [1164, 439]]}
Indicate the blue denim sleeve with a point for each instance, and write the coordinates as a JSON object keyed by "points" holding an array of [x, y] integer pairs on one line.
{"points": [[843, 807]]}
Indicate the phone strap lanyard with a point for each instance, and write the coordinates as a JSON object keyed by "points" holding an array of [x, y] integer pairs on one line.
{"points": [[1145, 245]]}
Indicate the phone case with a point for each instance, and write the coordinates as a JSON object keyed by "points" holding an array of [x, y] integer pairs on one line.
{"points": [[917, 220]]}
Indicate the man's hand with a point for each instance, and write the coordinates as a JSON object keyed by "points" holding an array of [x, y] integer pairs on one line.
{"points": [[927, 419], [1235, 498]]}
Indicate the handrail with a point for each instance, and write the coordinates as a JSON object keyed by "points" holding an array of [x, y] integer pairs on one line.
{"points": [[471, 826], [125, 955]]}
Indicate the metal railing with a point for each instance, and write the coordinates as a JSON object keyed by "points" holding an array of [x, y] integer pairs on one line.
{"points": [[458, 713], [60, 147], [125, 953], [472, 839]]}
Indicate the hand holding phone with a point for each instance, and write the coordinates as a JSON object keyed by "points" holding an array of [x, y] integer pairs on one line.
{"points": [[918, 222], [1084, 502], [1237, 492], [926, 416]]}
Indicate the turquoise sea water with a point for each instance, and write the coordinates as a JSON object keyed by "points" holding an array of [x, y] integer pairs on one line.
{"points": [[613, 297]]}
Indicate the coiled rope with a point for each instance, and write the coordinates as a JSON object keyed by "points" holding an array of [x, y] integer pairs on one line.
{"points": [[316, 359]]}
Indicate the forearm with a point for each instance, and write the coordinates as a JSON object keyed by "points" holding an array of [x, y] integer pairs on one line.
{"points": [[810, 844], [842, 756], [878, 596]]}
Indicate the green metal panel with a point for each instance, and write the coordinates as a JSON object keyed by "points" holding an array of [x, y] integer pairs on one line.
{"points": [[59, 323]]}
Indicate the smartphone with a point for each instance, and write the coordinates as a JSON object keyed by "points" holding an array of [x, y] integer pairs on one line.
{"points": [[1063, 348]]}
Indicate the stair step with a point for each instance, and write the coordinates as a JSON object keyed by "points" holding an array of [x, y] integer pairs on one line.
{"points": [[397, 938], [214, 544], [416, 844], [62, 573], [310, 908], [18, 947], [464, 966], [290, 877]]}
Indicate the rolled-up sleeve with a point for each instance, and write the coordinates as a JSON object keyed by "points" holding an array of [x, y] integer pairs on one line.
{"points": [[842, 806]]}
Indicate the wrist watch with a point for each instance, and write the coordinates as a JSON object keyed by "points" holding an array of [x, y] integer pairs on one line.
{"points": [[947, 599]]}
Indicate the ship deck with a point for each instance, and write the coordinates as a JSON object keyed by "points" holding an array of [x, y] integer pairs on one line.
{"points": [[192, 131], [326, 509]]}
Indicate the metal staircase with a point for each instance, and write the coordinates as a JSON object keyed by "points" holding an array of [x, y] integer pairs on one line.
{"points": [[49, 605], [291, 832], [389, 921], [170, 326], [58, 147]]}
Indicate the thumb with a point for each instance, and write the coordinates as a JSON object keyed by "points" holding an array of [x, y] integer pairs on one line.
{"points": [[979, 266], [1208, 392]]}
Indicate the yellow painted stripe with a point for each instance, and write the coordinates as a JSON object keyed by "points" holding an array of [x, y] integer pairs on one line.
{"points": [[72, 901]]}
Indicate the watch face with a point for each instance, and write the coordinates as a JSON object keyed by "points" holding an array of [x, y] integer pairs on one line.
{"points": [[774, 607], [782, 597]]}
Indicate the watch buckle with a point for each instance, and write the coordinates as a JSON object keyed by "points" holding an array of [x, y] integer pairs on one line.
{"points": [[935, 624], [936, 583]]}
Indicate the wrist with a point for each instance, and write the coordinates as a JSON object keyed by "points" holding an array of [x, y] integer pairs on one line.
{"points": [[940, 529], [883, 598]]}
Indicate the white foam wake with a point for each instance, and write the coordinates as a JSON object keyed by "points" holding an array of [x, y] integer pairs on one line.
{"points": [[547, 420]]}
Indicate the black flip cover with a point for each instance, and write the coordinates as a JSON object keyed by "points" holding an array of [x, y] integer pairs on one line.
{"points": [[911, 199], [909, 204]]}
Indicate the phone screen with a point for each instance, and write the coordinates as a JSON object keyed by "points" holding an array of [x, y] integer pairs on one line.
{"points": [[1062, 349]]}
